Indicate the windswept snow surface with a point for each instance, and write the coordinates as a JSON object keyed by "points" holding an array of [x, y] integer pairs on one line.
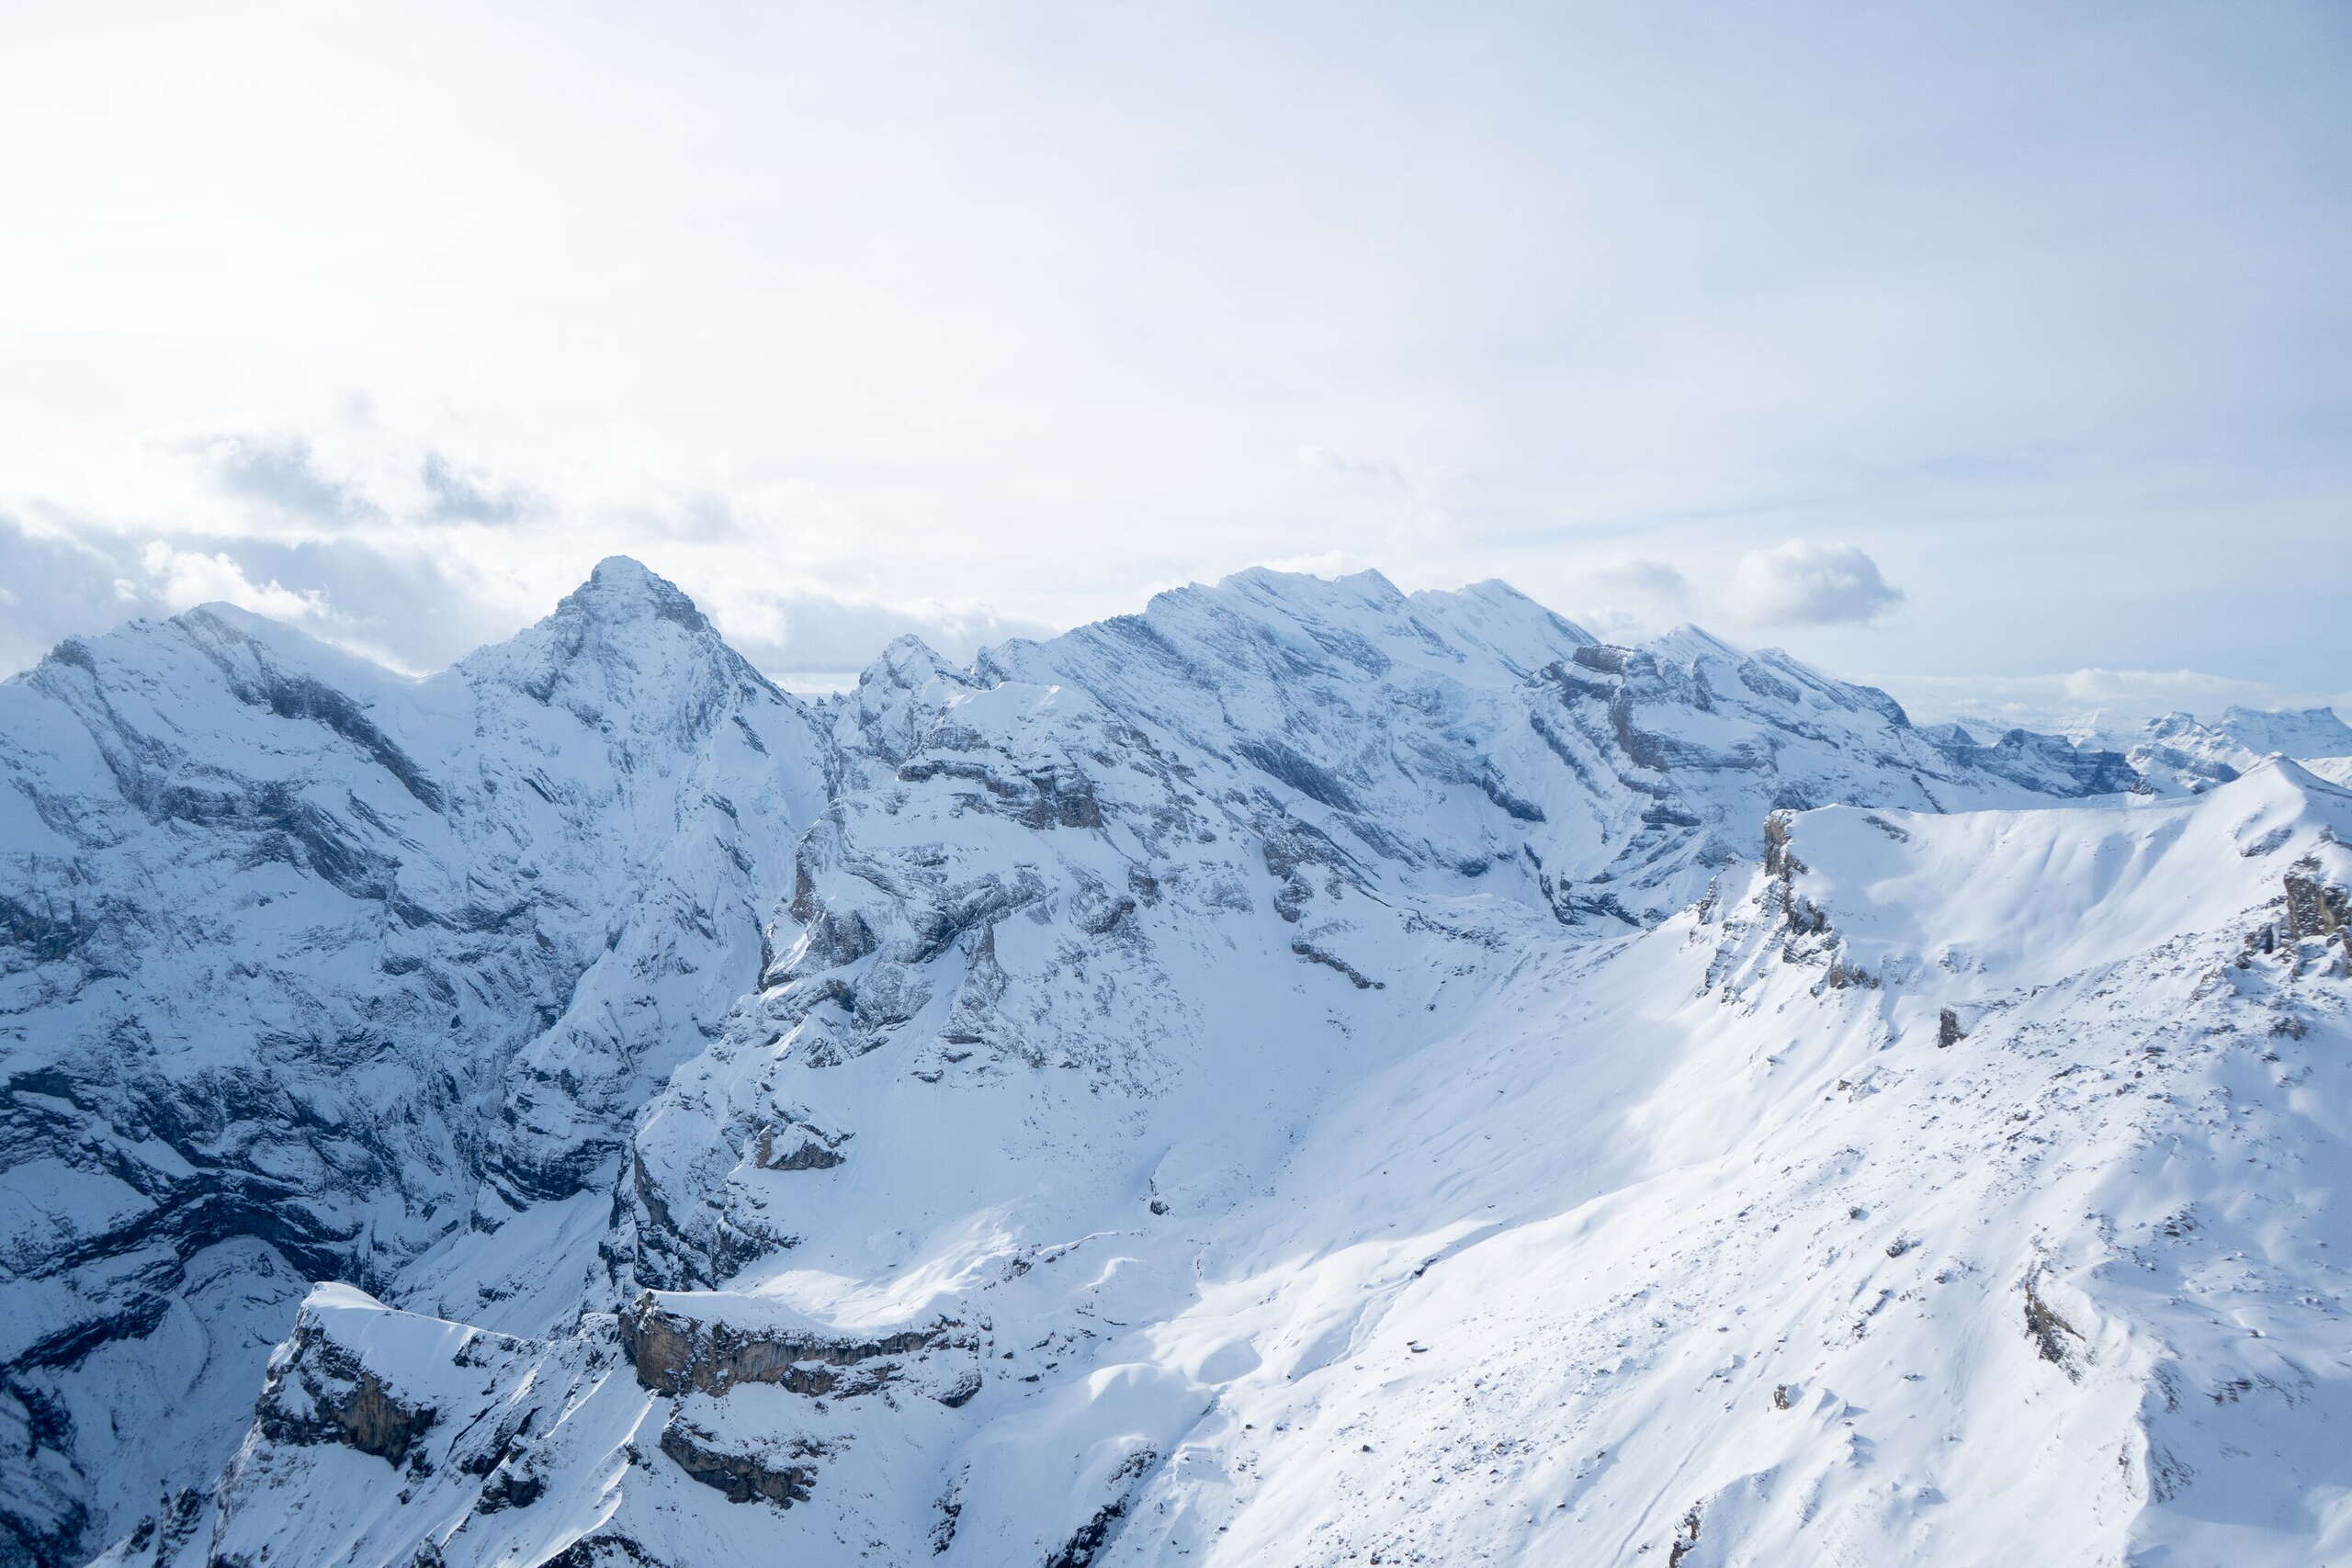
{"points": [[1306, 1074]]}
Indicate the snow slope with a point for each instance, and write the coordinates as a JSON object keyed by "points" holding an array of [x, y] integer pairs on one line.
{"points": [[1314, 1073], [1966, 1193]]}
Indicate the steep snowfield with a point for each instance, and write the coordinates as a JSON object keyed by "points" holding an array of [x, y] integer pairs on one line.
{"points": [[1305, 1074], [1707, 1247]]}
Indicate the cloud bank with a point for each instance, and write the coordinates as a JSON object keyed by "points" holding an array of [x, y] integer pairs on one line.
{"points": [[1804, 584]]}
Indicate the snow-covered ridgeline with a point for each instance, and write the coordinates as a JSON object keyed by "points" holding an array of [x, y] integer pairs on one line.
{"points": [[1081, 968]]}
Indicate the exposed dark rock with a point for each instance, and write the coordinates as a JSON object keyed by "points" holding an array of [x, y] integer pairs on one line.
{"points": [[674, 1354], [2049, 1331], [1841, 975], [261, 682], [1087, 1543], [951, 1511], [1686, 1539], [604, 1551], [798, 1145], [1492, 788], [515, 1484], [742, 1478], [959, 1392], [320, 1393], [46, 934], [1356, 977], [1778, 860], [1064, 800], [2313, 908]]}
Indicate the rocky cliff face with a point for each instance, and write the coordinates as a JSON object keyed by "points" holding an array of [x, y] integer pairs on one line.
{"points": [[998, 1116]]}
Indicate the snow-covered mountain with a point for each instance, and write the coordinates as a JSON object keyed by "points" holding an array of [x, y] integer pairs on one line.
{"points": [[1306, 1073], [2181, 752], [313, 973]]}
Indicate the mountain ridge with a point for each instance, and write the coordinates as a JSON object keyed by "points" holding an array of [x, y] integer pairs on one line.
{"points": [[640, 1025]]}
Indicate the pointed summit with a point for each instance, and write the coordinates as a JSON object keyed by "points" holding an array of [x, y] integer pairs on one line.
{"points": [[907, 662], [626, 649], [622, 589]]}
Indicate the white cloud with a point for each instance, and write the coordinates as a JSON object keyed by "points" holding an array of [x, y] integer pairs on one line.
{"points": [[183, 579], [1626, 598], [470, 495], [1804, 584], [1657, 581]]}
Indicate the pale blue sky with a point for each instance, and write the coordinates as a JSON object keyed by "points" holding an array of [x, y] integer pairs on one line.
{"points": [[977, 318]]}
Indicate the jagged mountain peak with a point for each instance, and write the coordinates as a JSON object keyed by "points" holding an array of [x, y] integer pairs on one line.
{"points": [[1367, 587], [629, 651], [2291, 773], [2181, 751], [2320, 713], [890, 710], [1356, 627], [1490, 587], [2305, 732], [235, 616], [906, 659], [622, 589], [325, 968], [624, 613]]}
